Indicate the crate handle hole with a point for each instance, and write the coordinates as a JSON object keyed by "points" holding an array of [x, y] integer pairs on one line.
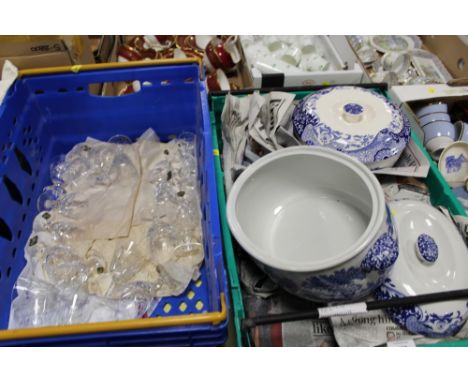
{"points": [[39, 91], [5, 231], [115, 89], [13, 190], [62, 90], [23, 162], [189, 80], [165, 82]]}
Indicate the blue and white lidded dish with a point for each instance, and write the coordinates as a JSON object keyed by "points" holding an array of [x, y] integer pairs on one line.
{"points": [[431, 255], [355, 121]]}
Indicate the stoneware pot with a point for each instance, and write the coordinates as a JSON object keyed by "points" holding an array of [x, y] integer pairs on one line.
{"points": [[315, 220]]}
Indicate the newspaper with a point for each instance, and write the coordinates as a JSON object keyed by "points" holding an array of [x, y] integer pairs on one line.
{"points": [[412, 162], [316, 332], [234, 120], [398, 188], [256, 125], [461, 222], [376, 328], [247, 126]]}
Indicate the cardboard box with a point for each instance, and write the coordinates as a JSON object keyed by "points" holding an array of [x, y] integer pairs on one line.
{"points": [[33, 54], [338, 50], [452, 51], [410, 98], [402, 94], [28, 52], [438, 66]]}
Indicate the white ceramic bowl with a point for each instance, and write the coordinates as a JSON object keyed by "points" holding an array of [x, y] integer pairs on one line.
{"points": [[432, 108], [428, 118], [315, 221]]}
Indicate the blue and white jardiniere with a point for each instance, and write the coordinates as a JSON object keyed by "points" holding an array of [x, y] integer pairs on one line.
{"points": [[355, 121], [316, 222], [432, 253]]}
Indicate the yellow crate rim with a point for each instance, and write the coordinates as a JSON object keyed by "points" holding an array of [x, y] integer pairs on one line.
{"points": [[112, 65], [114, 326]]}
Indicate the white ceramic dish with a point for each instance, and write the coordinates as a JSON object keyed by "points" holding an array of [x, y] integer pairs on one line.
{"points": [[353, 120], [453, 163], [424, 230], [315, 221], [398, 44]]}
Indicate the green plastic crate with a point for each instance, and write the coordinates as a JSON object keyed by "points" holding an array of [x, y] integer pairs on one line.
{"points": [[441, 194]]}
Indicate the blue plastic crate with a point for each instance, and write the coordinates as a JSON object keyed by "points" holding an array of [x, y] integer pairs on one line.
{"points": [[46, 115]]}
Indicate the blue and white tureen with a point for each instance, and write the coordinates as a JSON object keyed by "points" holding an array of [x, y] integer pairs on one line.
{"points": [[356, 121], [432, 258]]}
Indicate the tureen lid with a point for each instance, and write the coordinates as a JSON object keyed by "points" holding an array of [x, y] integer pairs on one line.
{"points": [[432, 258], [353, 120]]}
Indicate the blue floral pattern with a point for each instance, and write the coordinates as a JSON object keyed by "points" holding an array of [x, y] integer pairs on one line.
{"points": [[383, 254], [368, 148], [418, 320], [427, 248], [353, 108], [454, 164], [348, 281], [342, 284]]}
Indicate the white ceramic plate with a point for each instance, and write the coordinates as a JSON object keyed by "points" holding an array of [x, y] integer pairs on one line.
{"points": [[399, 44], [453, 164], [413, 274]]}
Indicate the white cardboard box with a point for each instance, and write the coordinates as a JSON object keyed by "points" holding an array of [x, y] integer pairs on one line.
{"points": [[402, 94], [337, 47], [410, 97]]}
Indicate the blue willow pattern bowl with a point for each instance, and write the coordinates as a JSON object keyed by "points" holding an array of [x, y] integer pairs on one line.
{"points": [[355, 121]]}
